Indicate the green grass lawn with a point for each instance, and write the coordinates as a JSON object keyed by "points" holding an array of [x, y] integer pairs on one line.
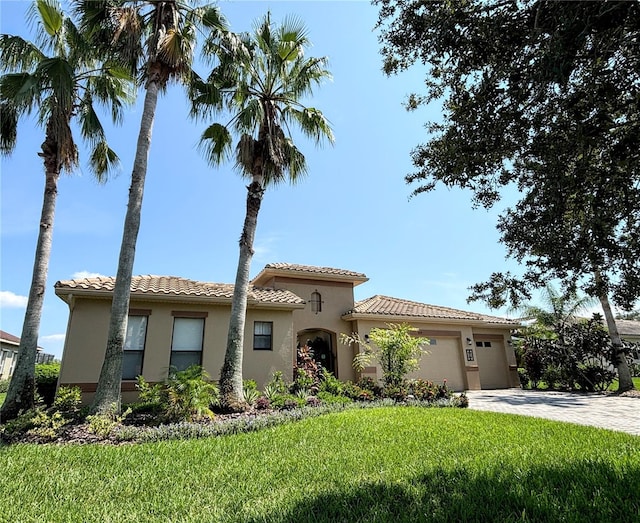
{"points": [[636, 383], [399, 464], [3, 395]]}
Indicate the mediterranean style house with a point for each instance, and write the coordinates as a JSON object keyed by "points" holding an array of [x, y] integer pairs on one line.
{"points": [[179, 322]]}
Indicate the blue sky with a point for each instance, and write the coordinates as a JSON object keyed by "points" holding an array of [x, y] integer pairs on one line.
{"points": [[353, 210]]}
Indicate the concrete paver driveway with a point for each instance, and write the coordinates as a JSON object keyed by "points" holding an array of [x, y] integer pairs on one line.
{"points": [[599, 410]]}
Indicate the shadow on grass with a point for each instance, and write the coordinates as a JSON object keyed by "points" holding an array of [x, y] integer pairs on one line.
{"points": [[575, 492]]}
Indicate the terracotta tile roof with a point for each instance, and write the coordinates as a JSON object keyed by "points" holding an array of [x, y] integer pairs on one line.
{"points": [[387, 306], [5, 336], [628, 327], [294, 267], [176, 286], [307, 272]]}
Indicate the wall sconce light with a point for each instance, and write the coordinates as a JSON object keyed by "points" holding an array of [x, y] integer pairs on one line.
{"points": [[366, 338], [469, 341], [509, 342]]}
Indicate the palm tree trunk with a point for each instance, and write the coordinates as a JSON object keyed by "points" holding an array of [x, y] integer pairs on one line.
{"points": [[624, 375], [108, 394], [231, 373], [20, 395]]}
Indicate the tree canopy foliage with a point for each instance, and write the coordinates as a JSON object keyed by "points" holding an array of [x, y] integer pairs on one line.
{"points": [[544, 97]]}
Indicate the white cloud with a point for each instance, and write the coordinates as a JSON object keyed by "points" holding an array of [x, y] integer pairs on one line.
{"points": [[9, 299], [52, 338], [86, 274]]}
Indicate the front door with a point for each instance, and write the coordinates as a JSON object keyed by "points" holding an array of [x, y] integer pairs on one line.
{"points": [[320, 344]]}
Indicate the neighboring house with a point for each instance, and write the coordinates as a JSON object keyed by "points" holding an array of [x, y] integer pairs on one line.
{"points": [[9, 346], [629, 330], [177, 321]]}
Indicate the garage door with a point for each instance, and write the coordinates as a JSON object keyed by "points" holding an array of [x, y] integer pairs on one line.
{"points": [[492, 364], [444, 361]]}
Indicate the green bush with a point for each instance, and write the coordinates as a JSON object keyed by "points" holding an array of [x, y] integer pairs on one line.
{"points": [[67, 401], [329, 383], [190, 394], [524, 378], [46, 376], [4, 386], [591, 378]]}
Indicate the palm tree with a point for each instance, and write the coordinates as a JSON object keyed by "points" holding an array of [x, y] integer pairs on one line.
{"points": [[558, 310], [60, 76], [261, 79], [157, 39]]}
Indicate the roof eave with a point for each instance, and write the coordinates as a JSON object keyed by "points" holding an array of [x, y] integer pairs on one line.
{"points": [[267, 273], [64, 293]]}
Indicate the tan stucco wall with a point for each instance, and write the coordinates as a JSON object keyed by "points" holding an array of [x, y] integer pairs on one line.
{"points": [[88, 327], [452, 334]]}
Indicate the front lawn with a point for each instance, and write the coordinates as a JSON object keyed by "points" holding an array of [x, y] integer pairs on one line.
{"points": [[382, 465], [636, 384], [3, 395]]}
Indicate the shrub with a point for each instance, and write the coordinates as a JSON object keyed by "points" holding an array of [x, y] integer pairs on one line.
{"points": [[103, 424], [524, 378], [262, 403], [46, 376], [423, 390], [67, 402], [190, 394], [353, 391], [4, 386], [534, 359], [250, 392], [328, 399], [396, 392], [329, 383], [552, 375], [371, 385], [593, 377]]}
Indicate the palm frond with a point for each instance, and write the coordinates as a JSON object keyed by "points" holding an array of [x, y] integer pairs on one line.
{"points": [[8, 128], [22, 91], [17, 54], [312, 123], [103, 160], [215, 143], [90, 127]]}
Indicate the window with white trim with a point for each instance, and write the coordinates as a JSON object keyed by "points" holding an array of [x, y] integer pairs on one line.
{"points": [[133, 354], [186, 345]]}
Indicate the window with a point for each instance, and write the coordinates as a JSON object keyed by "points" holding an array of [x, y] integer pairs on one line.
{"points": [[483, 344], [3, 357], [186, 346], [134, 347], [262, 335], [14, 360], [316, 302]]}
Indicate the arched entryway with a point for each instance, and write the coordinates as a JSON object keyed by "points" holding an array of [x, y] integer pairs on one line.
{"points": [[322, 345]]}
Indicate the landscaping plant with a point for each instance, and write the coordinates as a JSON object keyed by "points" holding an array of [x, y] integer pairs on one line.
{"points": [[395, 348]]}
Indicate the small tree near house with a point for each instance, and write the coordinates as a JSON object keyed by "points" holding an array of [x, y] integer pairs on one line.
{"points": [[396, 348]]}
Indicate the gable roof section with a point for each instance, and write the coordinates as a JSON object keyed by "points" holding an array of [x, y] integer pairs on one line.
{"points": [[294, 270], [176, 288], [628, 327], [394, 308], [10, 339]]}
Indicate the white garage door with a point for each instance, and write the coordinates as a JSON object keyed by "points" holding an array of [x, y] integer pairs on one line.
{"points": [[492, 364], [444, 361]]}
